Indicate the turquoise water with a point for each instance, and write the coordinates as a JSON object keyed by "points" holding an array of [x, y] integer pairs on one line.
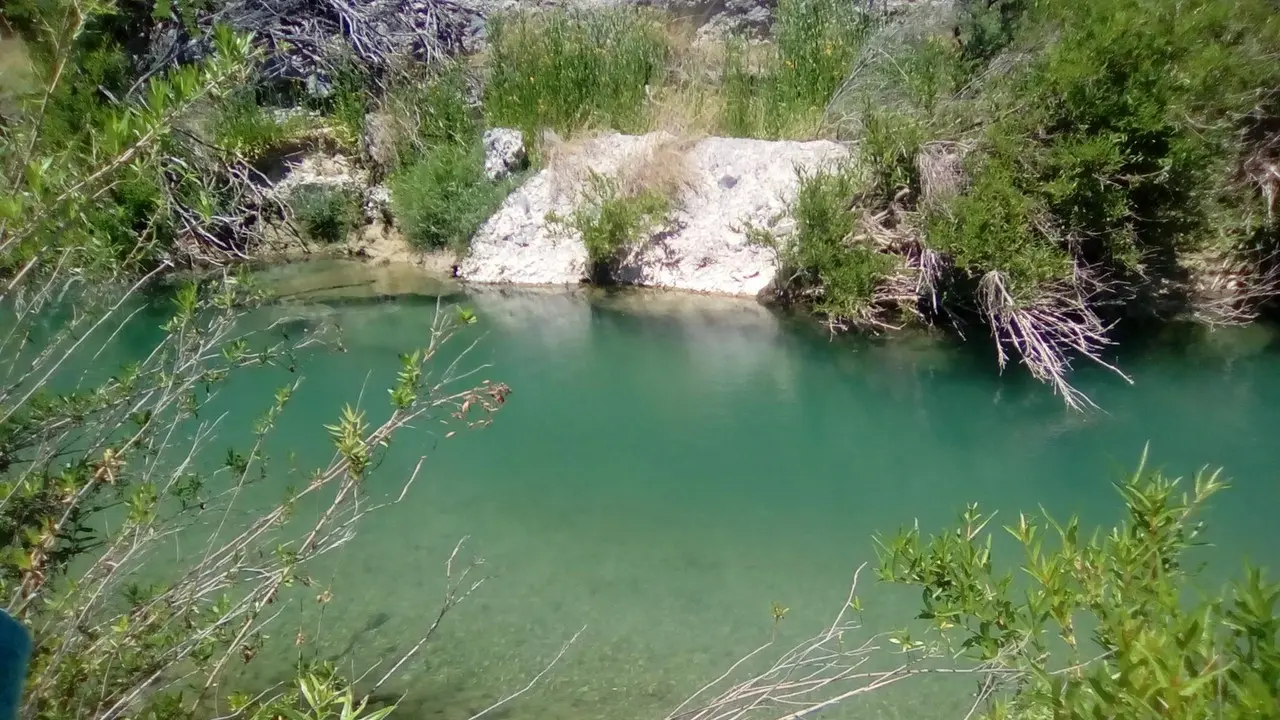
{"points": [[667, 467]]}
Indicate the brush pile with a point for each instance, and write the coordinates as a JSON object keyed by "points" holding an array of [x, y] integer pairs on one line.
{"points": [[303, 40]]}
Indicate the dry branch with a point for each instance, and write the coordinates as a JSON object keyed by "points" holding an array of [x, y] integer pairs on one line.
{"points": [[1047, 331], [1230, 288], [822, 671], [306, 39], [940, 166]]}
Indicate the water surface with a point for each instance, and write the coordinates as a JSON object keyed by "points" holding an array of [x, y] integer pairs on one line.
{"points": [[667, 467]]}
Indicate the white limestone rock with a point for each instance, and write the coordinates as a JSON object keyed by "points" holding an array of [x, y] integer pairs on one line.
{"points": [[734, 183], [503, 152]]}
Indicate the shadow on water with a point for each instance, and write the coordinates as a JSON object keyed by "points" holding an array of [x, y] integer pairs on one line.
{"points": [[374, 622]]}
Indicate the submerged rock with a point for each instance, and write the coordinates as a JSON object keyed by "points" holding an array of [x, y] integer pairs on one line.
{"points": [[732, 185]]}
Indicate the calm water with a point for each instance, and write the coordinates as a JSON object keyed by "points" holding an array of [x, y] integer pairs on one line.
{"points": [[668, 467]]}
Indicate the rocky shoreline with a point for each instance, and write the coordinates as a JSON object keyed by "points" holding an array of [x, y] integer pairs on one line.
{"points": [[728, 186]]}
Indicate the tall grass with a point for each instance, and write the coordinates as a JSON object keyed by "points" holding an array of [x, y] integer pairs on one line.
{"points": [[785, 91], [567, 70]]}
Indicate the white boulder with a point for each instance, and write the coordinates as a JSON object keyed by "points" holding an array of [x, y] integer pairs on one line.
{"points": [[732, 184]]}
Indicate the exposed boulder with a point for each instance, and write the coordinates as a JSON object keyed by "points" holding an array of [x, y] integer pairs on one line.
{"points": [[503, 152], [733, 184]]}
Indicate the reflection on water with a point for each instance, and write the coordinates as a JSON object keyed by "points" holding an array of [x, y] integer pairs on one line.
{"points": [[668, 466]]}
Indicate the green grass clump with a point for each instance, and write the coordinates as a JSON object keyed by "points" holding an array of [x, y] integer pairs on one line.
{"points": [[611, 219], [567, 70], [428, 112], [823, 255], [325, 213], [243, 127], [785, 92], [441, 199]]}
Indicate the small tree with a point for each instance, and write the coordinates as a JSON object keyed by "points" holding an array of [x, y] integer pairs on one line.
{"points": [[1104, 626]]}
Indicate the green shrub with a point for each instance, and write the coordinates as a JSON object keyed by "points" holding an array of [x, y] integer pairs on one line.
{"points": [[1102, 624], [433, 111], [244, 127], [443, 197], [345, 101], [566, 70], [611, 219], [1129, 138], [993, 226], [891, 141], [986, 27], [823, 254], [326, 213]]}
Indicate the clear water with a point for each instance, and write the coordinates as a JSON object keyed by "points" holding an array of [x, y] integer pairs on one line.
{"points": [[667, 467]]}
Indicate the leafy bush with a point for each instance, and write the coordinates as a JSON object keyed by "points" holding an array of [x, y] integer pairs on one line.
{"points": [[1130, 138], [439, 193], [984, 28], [1099, 624], [326, 213], [823, 254], [443, 197], [566, 70], [993, 226]]}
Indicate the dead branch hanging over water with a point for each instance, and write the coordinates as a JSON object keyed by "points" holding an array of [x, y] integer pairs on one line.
{"points": [[1048, 330], [817, 673]]}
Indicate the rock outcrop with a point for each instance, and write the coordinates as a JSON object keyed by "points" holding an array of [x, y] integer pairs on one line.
{"points": [[503, 152], [732, 185]]}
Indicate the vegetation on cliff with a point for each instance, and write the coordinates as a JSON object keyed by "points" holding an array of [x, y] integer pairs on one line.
{"points": [[1041, 167]]}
